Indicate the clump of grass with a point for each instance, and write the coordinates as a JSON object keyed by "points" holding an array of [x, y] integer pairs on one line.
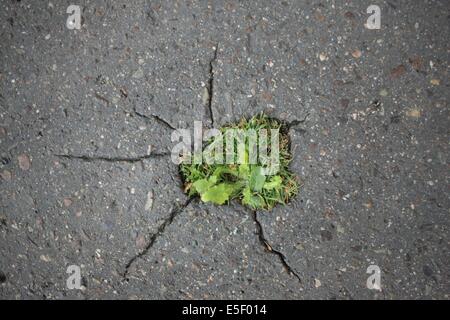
{"points": [[221, 183]]}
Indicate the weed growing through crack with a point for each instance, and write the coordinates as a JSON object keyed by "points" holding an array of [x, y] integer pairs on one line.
{"points": [[244, 181]]}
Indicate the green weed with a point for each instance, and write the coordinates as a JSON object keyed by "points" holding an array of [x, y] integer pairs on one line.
{"points": [[221, 183]]}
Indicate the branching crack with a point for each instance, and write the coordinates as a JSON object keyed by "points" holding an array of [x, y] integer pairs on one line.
{"points": [[270, 249], [113, 159], [168, 221], [211, 84]]}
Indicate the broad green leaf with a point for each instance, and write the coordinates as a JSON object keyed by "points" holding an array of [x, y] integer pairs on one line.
{"points": [[274, 183], [212, 180], [218, 194], [202, 185]]}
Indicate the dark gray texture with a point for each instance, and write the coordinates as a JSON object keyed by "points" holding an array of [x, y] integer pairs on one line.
{"points": [[85, 123]]}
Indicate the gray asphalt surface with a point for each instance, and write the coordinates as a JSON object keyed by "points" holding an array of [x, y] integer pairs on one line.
{"points": [[85, 123]]}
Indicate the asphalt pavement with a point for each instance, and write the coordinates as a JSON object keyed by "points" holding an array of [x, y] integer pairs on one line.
{"points": [[86, 117]]}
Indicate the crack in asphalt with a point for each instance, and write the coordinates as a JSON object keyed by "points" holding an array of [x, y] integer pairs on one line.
{"points": [[270, 249], [112, 159], [102, 98], [155, 117], [211, 84], [296, 122], [167, 222], [164, 122]]}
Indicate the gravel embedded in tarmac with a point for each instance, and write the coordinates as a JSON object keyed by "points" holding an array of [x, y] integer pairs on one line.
{"points": [[86, 178]]}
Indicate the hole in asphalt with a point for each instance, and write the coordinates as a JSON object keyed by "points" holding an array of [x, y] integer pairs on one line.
{"points": [[247, 161]]}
